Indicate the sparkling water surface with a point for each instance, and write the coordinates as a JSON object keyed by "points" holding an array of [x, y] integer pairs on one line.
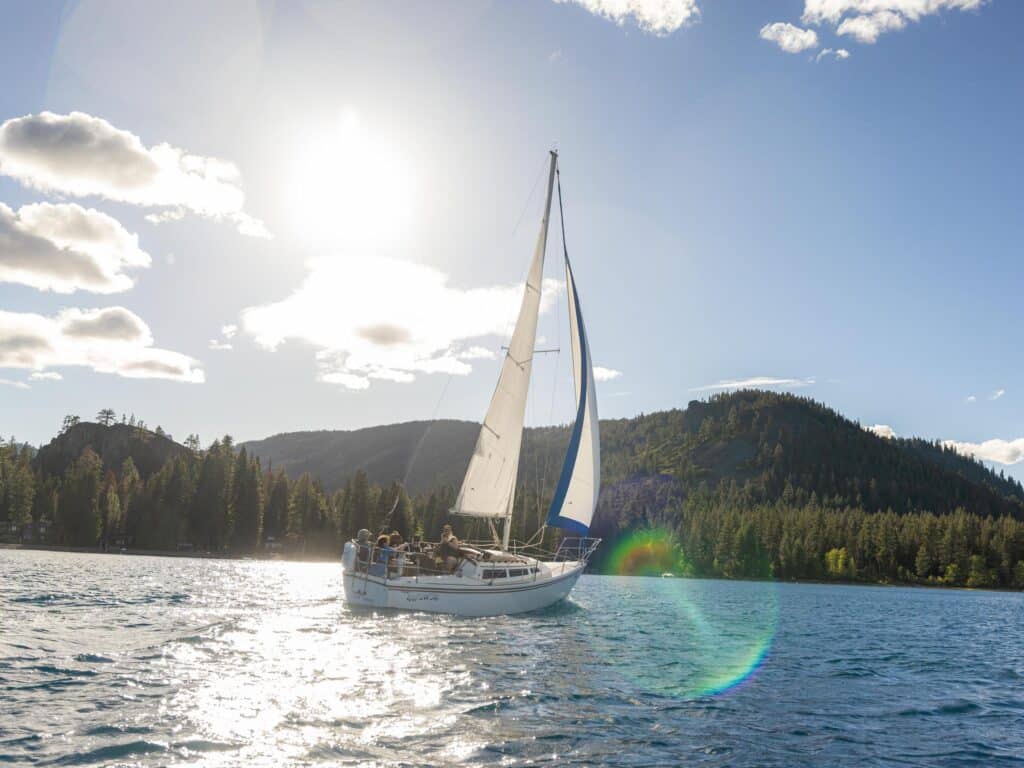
{"points": [[119, 660]]}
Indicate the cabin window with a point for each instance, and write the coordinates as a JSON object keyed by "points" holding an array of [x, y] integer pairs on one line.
{"points": [[517, 572], [498, 574]]}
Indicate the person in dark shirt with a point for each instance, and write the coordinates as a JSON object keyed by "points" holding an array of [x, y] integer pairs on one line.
{"points": [[362, 550]]}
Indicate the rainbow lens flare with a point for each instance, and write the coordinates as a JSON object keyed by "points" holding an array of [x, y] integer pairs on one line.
{"points": [[646, 553], [681, 637]]}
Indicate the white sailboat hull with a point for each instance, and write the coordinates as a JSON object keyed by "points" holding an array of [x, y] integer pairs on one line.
{"points": [[463, 596]]}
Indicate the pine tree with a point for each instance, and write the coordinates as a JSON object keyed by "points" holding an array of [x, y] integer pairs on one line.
{"points": [[358, 502], [275, 519], [210, 519], [247, 503], [78, 514]]}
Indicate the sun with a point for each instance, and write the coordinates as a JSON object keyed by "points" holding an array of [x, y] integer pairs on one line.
{"points": [[351, 188]]}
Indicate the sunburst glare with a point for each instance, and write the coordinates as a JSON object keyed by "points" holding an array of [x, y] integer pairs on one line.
{"points": [[351, 187]]}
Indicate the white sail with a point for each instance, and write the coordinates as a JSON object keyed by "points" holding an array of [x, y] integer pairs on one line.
{"points": [[572, 507], [488, 488]]}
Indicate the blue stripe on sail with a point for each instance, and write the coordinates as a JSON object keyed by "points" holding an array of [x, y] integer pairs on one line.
{"points": [[555, 517]]}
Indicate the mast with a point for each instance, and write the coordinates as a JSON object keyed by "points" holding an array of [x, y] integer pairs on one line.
{"points": [[488, 489]]}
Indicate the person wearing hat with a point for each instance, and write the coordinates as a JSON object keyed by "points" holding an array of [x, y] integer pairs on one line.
{"points": [[362, 550]]}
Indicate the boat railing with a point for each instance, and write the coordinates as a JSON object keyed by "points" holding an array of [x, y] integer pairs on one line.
{"points": [[394, 564], [569, 549]]}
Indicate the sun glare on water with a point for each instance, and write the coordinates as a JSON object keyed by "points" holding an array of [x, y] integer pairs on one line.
{"points": [[351, 187]]}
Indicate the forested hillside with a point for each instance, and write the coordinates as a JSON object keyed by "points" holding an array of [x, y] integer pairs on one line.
{"points": [[113, 442], [420, 454], [749, 484], [769, 446]]}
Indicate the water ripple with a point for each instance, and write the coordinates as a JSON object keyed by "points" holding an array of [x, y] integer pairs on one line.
{"points": [[171, 661]]}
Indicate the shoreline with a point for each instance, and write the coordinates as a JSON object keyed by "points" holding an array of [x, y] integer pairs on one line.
{"points": [[167, 553], [331, 559]]}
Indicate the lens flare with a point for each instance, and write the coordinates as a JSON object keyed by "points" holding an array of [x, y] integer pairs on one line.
{"points": [[645, 553], [690, 637]]}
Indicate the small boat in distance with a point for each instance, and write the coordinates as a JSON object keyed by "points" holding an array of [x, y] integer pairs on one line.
{"points": [[502, 576]]}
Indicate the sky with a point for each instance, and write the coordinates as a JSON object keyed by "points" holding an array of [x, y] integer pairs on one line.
{"points": [[248, 218]]}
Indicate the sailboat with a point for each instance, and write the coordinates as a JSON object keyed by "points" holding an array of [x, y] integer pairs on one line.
{"points": [[502, 576]]}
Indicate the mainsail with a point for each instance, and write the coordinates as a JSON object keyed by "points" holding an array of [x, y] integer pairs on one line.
{"points": [[572, 507], [488, 488]]}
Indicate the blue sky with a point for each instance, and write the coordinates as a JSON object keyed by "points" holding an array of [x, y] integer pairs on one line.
{"points": [[351, 191]]}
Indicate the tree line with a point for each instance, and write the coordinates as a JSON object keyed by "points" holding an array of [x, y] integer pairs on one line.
{"points": [[215, 500], [749, 484], [814, 542]]}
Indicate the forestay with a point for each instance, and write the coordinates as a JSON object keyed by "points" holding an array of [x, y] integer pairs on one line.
{"points": [[488, 488]]}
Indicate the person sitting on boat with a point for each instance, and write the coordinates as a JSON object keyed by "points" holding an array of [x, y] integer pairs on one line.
{"points": [[399, 547], [449, 548], [381, 555], [362, 549]]}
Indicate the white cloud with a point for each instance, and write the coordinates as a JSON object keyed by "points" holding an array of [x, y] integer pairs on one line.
{"points": [[838, 53], [15, 384], [605, 374], [789, 38], [108, 340], [171, 214], [387, 319], [831, 11], [997, 394], [46, 376], [347, 380], [998, 451], [479, 353], [866, 29], [659, 17], [399, 377], [228, 332], [65, 248], [882, 430], [972, 399], [865, 20], [755, 382], [80, 155]]}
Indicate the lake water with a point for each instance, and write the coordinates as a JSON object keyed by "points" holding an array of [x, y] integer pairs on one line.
{"points": [[155, 661]]}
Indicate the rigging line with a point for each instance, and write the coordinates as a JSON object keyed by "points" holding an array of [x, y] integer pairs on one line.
{"points": [[533, 189], [512, 234], [430, 425]]}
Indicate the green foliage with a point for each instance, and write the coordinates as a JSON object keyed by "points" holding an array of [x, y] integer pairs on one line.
{"points": [[751, 484], [78, 512], [17, 485], [839, 564], [246, 502], [278, 510], [1018, 575]]}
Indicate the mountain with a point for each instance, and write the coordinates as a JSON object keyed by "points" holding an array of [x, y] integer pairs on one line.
{"points": [[113, 444], [759, 446], [421, 454], [747, 484]]}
